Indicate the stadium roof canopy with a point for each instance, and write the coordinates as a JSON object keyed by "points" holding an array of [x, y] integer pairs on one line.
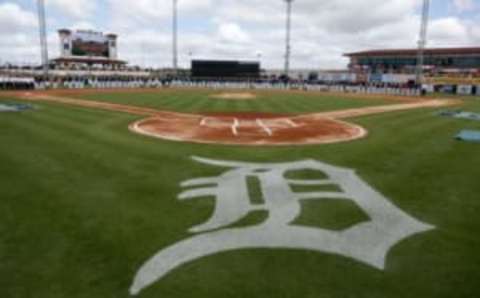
{"points": [[413, 52], [89, 60]]}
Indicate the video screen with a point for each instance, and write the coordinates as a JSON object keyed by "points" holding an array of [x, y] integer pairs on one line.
{"points": [[90, 44]]}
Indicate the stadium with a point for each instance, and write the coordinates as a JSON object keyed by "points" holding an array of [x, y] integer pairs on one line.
{"points": [[232, 176]]}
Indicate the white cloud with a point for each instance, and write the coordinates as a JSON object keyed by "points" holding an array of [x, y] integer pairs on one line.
{"points": [[84, 25], [17, 27], [76, 9], [449, 31], [322, 30], [14, 19], [232, 33], [152, 13], [222, 29], [463, 5]]}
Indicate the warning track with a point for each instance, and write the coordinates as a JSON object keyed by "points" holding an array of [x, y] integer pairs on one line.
{"points": [[253, 129]]}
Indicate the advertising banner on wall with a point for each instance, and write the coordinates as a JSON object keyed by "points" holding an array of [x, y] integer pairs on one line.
{"points": [[361, 78], [375, 78], [464, 89], [448, 89], [336, 77], [429, 88], [397, 78]]}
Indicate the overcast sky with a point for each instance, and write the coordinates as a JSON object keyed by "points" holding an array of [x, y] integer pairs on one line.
{"points": [[241, 29]]}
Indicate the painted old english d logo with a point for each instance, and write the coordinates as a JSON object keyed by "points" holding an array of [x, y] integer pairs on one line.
{"points": [[367, 242]]}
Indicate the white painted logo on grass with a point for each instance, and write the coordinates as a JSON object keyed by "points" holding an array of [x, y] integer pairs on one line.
{"points": [[367, 242]]}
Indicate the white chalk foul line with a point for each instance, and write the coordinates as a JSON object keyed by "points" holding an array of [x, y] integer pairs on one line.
{"points": [[291, 123], [264, 127], [235, 125]]}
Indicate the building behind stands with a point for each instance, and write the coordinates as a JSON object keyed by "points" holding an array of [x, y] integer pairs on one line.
{"points": [[438, 61]]}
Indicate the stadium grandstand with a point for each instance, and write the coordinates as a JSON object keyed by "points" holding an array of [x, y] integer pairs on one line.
{"points": [[438, 62]]}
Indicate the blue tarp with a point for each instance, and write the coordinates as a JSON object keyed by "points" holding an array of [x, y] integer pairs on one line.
{"points": [[461, 115], [469, 136], [6, 107]]}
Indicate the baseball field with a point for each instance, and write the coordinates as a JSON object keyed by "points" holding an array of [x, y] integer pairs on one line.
{"points": [[99, 195]]}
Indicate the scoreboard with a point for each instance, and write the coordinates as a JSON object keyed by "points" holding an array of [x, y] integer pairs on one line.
{"points": [[225, 69], [85, 43]]}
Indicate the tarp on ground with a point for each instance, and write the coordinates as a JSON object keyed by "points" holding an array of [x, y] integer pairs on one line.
{"points": [[461, 115], [6, 107], [469, 136]]}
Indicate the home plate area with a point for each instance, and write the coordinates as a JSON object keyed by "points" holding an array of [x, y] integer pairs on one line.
{"points": [[248, 129]]}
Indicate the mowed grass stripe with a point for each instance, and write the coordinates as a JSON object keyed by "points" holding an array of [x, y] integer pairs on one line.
{"points": [[87, 133], [266, 106], [255, 105], [298, 106], [299, 102], [194, 105], [177, 101], [209, 105], [60, 212], [293, 106], [271, 102], [432, 171], [169, 101], [395, 129], [184, 105]]}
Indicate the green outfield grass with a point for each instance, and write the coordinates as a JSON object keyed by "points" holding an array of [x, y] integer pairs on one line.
{"points": [[84, 202], [267, 101]]}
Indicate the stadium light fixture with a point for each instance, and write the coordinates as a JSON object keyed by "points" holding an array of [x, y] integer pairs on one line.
{"points": [[43, 36], [175, 36], [288, 47], [422, 42]]}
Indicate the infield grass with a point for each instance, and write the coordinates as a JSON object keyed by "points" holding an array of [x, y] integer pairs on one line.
{"points": [[84, 202]]}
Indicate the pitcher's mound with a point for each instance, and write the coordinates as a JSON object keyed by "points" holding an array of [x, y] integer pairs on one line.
{"points": [[235, 96]]}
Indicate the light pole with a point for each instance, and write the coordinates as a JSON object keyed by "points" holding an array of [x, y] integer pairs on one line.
{"points": [[288, 48], [175, 36], [43, 36], [422, 42]]}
